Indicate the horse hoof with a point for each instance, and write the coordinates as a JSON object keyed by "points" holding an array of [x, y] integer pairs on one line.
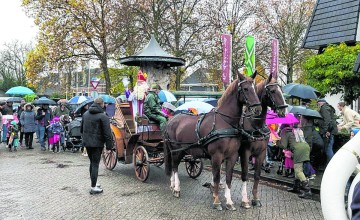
{"points": [[256, 203], [218, 206], [176, 194], [245, 205], [230, 207]]}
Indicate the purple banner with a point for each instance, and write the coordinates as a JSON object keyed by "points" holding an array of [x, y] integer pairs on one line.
{"points": [[274, 58], [226, 60]]}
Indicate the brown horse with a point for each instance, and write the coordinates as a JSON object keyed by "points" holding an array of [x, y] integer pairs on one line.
{"points": [[213, 135], [256, 135]]}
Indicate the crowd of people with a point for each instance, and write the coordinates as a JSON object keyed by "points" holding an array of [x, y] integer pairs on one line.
{"points": [[307, 144]]}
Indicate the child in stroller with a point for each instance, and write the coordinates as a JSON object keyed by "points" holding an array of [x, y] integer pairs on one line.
{"points": [[73, 138]]}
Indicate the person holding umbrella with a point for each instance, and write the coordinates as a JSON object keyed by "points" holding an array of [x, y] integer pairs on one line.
{"points": [[327, 127], [44, 116]]}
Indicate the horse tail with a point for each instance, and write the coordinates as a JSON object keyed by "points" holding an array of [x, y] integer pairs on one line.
{"points": [[167, 159]]}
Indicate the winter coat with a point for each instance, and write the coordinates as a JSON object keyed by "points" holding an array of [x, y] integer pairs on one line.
{"points": [[95, 128], [27, 120], [351, 119], [301, 150], [58, 112], [152, 104], [14, 129], [328, 123], [44, 120], [7, 110], [56, 128]]}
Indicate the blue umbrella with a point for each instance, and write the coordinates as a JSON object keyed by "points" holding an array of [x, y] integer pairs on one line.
{"points": [[211, 101], [108, 99], [78, 99], [19, 90], [166, 96]]}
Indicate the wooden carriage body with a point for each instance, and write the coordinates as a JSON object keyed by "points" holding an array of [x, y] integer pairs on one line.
{"points": [[139, 141]]}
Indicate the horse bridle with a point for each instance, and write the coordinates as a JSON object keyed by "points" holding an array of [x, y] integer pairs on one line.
{"points": [[241, 90], [268, 92]]}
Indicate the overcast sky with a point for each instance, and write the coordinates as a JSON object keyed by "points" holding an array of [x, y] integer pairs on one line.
{"points": [[14, 24]]}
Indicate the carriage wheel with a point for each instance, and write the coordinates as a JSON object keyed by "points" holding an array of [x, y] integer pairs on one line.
{"points": [[141, 163], [194, 167], [110, 159]]}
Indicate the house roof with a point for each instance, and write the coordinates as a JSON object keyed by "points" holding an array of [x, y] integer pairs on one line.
{"points": [[333, 22], [152, 52], [199, 76]]}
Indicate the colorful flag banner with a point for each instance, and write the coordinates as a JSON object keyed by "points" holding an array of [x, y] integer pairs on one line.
{"points": [[226, 60], [274, 58], [250, 55]]}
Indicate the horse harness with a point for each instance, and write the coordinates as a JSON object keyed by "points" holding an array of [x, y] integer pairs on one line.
{"points": [[213, 135]]}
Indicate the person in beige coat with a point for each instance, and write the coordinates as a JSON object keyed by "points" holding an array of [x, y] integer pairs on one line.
{"points": [[351, 119]]}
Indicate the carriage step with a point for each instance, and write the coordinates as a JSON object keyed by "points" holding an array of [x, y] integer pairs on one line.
{"points": [[149, 144]]}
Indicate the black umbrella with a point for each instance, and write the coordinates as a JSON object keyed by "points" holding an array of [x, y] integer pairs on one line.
{"points": [[78, 109], [44, 101], [301, 91], [14, 99], [302, 110]]}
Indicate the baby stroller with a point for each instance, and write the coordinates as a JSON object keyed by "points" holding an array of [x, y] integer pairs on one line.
{"points": [[73, 140]]}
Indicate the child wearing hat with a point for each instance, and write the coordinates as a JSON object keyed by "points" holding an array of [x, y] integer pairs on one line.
{"points": [[13, 132]]}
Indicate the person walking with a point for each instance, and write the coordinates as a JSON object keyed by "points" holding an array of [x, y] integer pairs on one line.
{"points": [[28, 121], [44, 116], [351, 119], [327, 126], [292, 138], [96, 131], [152, 107]]}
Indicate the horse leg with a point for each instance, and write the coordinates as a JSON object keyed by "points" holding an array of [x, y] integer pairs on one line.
{"points": [[216, 164], [245, 154], [259, 160], [230, 163]]}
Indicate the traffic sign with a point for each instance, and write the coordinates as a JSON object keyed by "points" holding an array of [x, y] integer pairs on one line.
{"points": [[94, 83], [94, 94]]}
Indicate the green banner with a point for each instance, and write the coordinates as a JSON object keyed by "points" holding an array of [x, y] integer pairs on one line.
{"points": [[250, 55]]}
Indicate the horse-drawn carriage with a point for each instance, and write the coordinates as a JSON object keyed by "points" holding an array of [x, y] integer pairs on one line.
{"points": [[139, 141]]}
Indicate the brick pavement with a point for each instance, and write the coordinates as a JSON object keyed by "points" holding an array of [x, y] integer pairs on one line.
{"points": [[42, 185]]}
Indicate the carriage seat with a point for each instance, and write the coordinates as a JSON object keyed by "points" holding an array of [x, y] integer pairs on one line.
{"points": [[144, 120]]}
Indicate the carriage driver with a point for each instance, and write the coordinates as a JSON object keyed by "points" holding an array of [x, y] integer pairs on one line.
{"points": [[152, 107]]}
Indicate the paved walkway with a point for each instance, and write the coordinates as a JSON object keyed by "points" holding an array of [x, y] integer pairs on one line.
{"points": [[42, 185]]}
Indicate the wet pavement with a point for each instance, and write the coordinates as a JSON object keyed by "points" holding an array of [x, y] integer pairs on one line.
{"points": [[44, 185]]}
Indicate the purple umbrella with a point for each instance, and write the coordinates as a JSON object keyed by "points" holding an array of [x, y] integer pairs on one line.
{"points": [[273, 118]]}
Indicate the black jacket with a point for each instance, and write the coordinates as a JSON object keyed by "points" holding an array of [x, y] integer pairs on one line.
{"points": [[328, 123], [95, 128]]}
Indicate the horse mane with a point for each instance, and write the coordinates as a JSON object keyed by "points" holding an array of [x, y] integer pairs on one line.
{"points": [[261, 86], [227, 92], [232, 87]]}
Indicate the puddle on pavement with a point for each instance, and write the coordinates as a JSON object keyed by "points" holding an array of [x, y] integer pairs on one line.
{"points": [[69, 189], [60, 165], [47, 161]]}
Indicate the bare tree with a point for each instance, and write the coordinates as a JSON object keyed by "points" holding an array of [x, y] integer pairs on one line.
{"points": [[286, 21], [12, 58]]}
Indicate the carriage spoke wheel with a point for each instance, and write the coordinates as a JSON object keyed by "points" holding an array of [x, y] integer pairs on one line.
{"points": [[141, 163], [194, 167], [110, 158]]}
